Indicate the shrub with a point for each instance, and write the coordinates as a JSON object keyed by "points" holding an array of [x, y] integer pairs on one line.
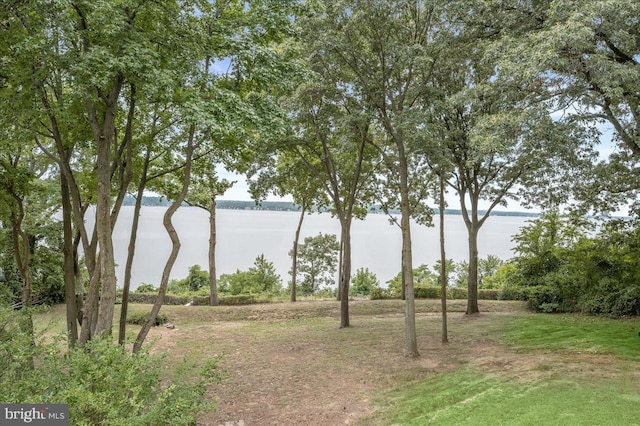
{"points": [[379, 293], [146, 288], [456, 293], [141, 318], [101, 382], [512, 293], [430, 292], [627, 302], [543, 299], [363, 282], [240, 299], [488, 294], [148, 298], [261, 278]]}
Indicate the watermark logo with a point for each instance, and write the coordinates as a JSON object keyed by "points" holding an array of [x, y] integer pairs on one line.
{"points": [[34, 414]]}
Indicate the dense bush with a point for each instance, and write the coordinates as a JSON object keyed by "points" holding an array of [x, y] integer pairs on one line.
{"points": [[101, 382], [141, 318], [261, 278], [379, 293], [363, 282], [560, 267], [146, 288], [150, 298], [196, 282], [431, 292]]}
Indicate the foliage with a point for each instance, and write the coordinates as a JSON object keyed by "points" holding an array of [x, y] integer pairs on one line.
{"points": [[560, 268], [457, 273], [140, 318], [422, 277], [196, 280], [261, 278], [317, 262], [101, 382], [363, 282], [146, 288]]}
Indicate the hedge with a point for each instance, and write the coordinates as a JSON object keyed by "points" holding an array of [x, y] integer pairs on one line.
{"points": [[452, 293], [170, 299]]}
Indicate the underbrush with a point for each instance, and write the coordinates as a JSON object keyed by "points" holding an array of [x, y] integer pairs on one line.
{"points": [[101, 382]]}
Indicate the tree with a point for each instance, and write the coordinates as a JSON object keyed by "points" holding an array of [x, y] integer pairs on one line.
{"points": [[387, 50], [287, 174], [582, 59], [317, 262], [75, 81], [496, 143], [330, 139]]}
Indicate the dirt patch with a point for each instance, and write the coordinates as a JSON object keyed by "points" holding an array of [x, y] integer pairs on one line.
{"points": [[292, 367]]}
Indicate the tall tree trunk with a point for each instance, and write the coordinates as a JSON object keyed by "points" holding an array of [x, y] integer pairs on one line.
{"points": [[411, 343], [124, 307], [443, 266], [104, 133], [340, 269], [68, 265], [213, 286], [132, 249], [345, 272], [175, 242], [473, 226], [472, 282], [294, 265]]}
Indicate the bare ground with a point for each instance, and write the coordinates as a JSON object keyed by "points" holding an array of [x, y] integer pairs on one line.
{"points": [[289, 364]]}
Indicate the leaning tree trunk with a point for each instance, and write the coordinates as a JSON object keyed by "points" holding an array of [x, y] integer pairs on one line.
{"points": [[443, 267], [213, 285], [175, 244], [294, 252], [122, 331]]}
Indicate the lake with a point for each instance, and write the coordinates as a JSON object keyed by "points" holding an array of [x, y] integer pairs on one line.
{"points": [[245, 234]]}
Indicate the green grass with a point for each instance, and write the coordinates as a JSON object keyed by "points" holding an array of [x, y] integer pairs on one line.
{"points": [[575, 333], [587, 376], [473, 398]]}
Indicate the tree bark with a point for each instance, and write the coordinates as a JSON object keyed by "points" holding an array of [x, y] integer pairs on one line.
{"points": [[213, 287], [345, 272], [443, 266], [472, 282], [294, 265], [69, 265], [411, 343], [131, 249], [175, 242], [340, 267]]}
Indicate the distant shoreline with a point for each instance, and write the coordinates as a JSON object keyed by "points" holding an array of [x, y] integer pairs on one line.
{"points": [[155, 201]]}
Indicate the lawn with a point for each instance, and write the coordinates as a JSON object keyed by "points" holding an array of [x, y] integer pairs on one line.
{"points": [[290, 364]]}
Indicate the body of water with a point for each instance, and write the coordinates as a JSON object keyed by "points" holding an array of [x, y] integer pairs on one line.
{"points": [[244, 235]]}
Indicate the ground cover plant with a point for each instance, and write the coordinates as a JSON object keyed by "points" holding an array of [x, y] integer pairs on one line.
{"points": [[289, 363]]}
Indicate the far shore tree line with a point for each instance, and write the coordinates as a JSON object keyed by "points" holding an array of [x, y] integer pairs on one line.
{"points": [[338, 104]]}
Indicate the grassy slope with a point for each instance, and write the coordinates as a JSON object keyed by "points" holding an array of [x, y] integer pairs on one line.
{"points": [[590, 378]]}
